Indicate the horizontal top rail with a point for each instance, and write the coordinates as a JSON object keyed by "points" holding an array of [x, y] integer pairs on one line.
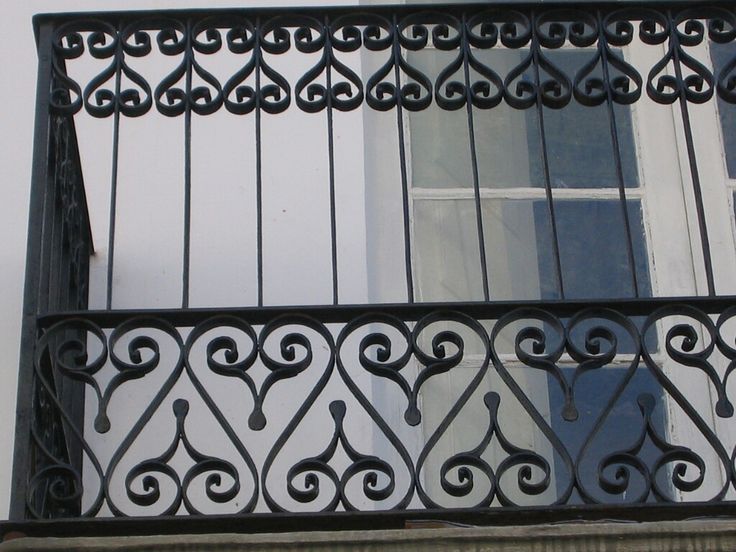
{"points": [[124, 16], [405, 311]]}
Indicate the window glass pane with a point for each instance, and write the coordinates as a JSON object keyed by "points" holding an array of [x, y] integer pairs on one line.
{"points": [[593, 390], [439, 141], [520, 253], [507, 140], [518, 242], [594, 248], [592, 242], [508, 148], [580, 150], [446, 252], [519, 249]]}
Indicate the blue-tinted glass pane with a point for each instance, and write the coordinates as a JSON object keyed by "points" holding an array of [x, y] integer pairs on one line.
{"points": [[641, 256], [593, 390], [593, 248], [580, 148], [520, 250]]}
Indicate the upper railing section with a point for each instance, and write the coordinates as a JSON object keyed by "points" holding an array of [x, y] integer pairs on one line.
{"points": [[404, 106], [463, 29]]}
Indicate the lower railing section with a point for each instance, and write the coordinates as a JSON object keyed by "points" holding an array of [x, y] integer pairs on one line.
{"points": [[462, 408]]}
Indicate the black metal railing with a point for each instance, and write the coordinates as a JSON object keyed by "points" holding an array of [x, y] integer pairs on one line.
{"points": [[451, 408]]}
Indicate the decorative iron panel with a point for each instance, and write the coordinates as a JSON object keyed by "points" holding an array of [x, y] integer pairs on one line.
{"points": [[334, 416]]}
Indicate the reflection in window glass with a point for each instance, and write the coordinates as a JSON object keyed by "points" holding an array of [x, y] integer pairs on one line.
{"points": [[439, 139], [518, 232], [519, 249], [624, 423], [520, 252], [594, 248], [580, 149], [447, 260]]}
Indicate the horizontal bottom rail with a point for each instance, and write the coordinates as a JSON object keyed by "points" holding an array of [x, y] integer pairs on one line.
{"points": [[355, 521]]}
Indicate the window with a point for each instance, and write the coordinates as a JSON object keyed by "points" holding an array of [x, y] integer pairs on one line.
{"points": [[581, 222]]}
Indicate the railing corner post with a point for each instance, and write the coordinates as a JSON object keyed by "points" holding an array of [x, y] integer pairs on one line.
{"points": [[39, 188]]}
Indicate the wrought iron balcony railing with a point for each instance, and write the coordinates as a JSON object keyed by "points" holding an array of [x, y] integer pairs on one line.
{"points": [[494, 311]]}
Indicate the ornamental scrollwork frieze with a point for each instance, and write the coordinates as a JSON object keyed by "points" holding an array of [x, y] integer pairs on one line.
{"points": [[311, 62]]}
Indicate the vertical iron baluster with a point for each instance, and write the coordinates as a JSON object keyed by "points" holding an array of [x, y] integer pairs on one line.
{"points": [[402, 161], [545, 161], [56, 205], [465, 45], [46, 220], [62, 247], [188, 54], [692, 161], [114, 172], [603, 51], [258, 52], [331, 153]]}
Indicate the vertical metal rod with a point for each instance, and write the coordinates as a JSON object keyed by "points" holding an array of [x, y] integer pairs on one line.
{"points": [[52, 261], [692, 160], [36, 238], [402, 161], [258, 52], [465, 45], [114, 175], [62, 241], [50, 247], [42, 286], [543, 139], [187, 168], [69, 393], [602, 50], [331, 154]]}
